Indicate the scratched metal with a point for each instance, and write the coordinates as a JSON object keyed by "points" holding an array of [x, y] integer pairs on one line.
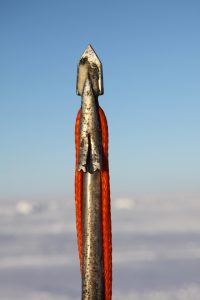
{"points": [[89, 86], [90, 154], [90, 67], [92, 269]]}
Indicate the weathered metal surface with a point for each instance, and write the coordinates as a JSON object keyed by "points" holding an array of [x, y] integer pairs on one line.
{"points": [[90, 67], [89, 86], [90, 154], [92, 269]]}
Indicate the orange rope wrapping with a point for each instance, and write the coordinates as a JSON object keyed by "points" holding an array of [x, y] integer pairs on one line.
{"points": [[78, 190], [105, 194]]}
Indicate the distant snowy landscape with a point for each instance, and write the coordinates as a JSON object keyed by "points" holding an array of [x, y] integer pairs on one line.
{"points": [[156, 249]]}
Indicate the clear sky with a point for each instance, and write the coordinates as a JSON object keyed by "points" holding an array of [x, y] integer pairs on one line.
{"points": [[150, 52]]}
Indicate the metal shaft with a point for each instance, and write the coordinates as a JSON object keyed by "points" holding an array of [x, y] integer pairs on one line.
{"points": [[89, 86], [92, 269]]}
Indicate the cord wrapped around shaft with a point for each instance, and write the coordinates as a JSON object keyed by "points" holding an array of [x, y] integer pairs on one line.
{"points": [[105, 194], [78, 190]]}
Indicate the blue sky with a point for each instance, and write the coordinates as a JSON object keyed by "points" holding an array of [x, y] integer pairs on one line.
{"points": [[151, 62]]}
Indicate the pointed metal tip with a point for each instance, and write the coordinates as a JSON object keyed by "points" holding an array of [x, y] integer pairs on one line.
{"points": [[89, 46], [90, 67], [91, 54]]}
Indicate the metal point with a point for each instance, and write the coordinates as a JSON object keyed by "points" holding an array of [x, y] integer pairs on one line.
{"points": [[90, 66]]}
